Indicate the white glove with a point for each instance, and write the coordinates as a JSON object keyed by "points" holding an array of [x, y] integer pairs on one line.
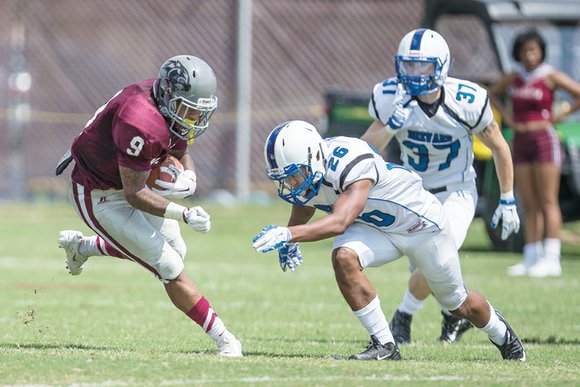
{"points": [[508, 213], [290, 256], [183, 186], [400, 113], [197, 218], [271, 237]]}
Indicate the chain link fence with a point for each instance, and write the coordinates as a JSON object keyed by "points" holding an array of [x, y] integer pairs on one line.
{"points": [[62, 59]]}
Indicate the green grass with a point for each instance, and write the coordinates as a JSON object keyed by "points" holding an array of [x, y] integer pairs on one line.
{"points": [[114, 325]]}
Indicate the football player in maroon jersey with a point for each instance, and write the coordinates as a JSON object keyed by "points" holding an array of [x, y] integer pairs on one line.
{"points": [[126, 138]]}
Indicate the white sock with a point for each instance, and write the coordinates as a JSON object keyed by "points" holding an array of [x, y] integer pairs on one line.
{"points": [[532, 252], [495, 328], [552, 247], [88, 246], [410, 303], [218, 331], [373, 319]]}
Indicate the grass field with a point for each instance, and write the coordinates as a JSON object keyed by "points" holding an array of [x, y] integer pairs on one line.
{"points": [[114, 326]]}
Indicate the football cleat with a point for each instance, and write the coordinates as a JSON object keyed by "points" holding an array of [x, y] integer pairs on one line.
{"points": [[401, 327], [452, 328], [378, 351], [512, 348], [69, 240], [229, 346]]}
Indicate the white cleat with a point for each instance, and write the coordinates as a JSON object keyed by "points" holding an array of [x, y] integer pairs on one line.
{"points": [[69, 240], [230, 346], [546, 268]]}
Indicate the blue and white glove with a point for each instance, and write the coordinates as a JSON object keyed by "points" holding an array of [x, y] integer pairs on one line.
{"points": [[271, 237], [290, 256], [400, 113], [185, 185], [508, 213]]}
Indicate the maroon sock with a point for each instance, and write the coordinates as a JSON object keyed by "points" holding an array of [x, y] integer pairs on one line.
{"points": [[107, 249], [202, 314]]}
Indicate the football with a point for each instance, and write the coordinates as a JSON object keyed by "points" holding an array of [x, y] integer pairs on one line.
{"points": [[165, 171]]}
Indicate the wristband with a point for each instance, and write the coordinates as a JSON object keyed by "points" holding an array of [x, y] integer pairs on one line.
{"points": [[509, 195], [174, 211]]}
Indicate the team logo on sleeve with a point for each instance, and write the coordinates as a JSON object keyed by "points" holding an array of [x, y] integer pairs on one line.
{"points": [[421, 224]]}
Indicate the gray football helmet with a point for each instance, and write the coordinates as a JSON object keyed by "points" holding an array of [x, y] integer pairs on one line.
{"points": [[186, 82]]}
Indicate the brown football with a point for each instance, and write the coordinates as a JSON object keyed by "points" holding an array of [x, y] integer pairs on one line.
{"points": [[165, 171]]}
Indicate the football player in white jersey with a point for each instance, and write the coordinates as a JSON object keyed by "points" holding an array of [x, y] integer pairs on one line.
{"points": [[434, 117], [378, 212]]}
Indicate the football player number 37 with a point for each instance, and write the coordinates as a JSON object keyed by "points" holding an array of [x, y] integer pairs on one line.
{"points": [[135, 146]]}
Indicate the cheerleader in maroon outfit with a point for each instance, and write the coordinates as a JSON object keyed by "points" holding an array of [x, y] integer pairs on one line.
{"points": [[537, 152]]}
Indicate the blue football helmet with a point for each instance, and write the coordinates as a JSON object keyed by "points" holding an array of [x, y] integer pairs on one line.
{"points": [[422, 61], [295, 151]]}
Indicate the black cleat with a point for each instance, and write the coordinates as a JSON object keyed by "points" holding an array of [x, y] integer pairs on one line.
{"points": [[401, 327], [378, 351], [452, 328], [512, 348]]}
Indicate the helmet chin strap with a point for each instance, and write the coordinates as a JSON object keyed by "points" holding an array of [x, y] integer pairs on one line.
{"points": [[322, 154]]}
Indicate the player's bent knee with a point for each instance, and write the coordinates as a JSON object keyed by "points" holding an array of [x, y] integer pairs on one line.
{"points": [[469, 308], [170, 265], [344, 258]]}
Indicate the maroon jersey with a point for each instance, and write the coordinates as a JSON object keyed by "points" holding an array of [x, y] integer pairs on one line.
{"points": [[531, 98], [129, 131]]}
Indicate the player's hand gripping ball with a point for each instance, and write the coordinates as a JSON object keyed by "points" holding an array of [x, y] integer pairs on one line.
{"points": [[166, 171]]}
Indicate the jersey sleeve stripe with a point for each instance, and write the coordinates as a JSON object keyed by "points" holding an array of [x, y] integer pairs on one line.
{"points": [[374, 103], [350, 166], [456, 116], [482, 111]]}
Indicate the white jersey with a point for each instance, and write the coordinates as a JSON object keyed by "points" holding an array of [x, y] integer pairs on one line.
{"points": [[397, 202], [439, 146]]}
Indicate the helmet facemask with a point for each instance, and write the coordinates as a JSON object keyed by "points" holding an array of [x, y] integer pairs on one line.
{"points": [[190, 128], [308, 181], [420, 76]]}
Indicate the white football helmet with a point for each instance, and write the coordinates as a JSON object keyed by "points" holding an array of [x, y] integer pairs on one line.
{"points": [[186, 82], [422, 61], [295, 149]]}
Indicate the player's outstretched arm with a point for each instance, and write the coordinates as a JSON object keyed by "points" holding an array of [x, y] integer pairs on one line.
{"points": [[377, 136], [494, 140], [506, 210], [346, 209]]}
